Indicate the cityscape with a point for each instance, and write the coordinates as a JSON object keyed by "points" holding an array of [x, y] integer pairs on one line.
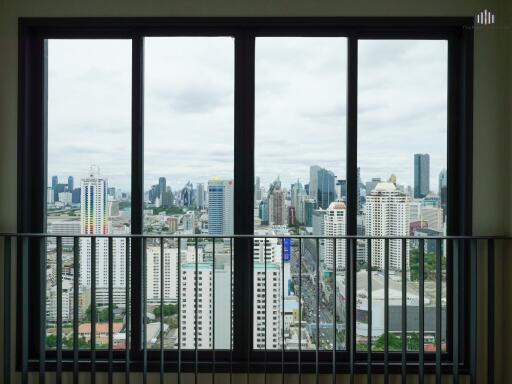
{"points": [[285, 304]]}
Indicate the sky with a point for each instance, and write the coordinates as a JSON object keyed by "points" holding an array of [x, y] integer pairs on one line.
{"points": [[300, 108]]}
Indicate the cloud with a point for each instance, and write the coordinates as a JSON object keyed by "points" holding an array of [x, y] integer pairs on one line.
{"points": [[300, 108]]}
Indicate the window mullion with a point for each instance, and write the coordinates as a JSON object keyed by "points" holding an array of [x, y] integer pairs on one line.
{"points": [[244, 193], [137, 192]]}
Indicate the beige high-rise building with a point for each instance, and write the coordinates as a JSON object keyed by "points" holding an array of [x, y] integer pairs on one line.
{"points": [[387, 214]]}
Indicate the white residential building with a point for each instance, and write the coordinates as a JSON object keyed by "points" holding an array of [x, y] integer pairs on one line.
{"points": [[267, 307], [335, 220], [153, 268], [387, 214], [205, 306]]}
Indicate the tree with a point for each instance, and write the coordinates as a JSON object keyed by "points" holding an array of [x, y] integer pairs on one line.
{"points": [[101, 314], [394, 343], [169, 310]]}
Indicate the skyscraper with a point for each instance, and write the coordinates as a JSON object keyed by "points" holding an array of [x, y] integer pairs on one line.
{"points": [[161, 187], [335, 225], [220, 207], [200, 196], [387, 214], [257, 189], [55, 181], [322, 186], [70, 184], [421, 175], [93, 221], [276, 204]]}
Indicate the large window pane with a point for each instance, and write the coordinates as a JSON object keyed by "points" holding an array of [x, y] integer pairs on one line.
{"points": [[88, 191], [300, 188], [402, 154], [188, 183]]}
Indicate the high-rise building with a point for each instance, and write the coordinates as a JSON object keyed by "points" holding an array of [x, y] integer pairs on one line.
{"points": [[153, 268], [421, 175], [65, 198], [322, 186], [203, 308], [167, 198], [309, 207], [55, 181], [263, 211], [257, 189], [267, 305], [387, 214], [200, 196], [341, 189], [292, 220], [94, 221], [433, 217], [277, 204], [220, 207], [335, 220], [443, 189], [50, 197], [161, 187], [75, 198], [370, 185], [187, 194], [70, 183]]}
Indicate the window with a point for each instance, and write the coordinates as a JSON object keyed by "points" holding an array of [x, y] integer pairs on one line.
{"points": [[198, 124], [88, 184]]}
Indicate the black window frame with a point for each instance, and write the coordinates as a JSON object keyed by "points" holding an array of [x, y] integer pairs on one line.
{"points": [[32, 172]]}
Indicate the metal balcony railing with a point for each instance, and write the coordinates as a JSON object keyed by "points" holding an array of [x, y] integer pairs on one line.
{"points": [[355, 305]]}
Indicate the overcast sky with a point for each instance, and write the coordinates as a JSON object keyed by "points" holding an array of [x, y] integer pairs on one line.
{"points": [[300, 108]]}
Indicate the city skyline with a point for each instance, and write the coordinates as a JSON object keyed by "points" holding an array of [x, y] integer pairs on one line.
{"points": [[390, 104]]}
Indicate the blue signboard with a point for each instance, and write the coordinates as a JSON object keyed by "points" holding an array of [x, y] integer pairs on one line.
{"points": [[287, 244]]}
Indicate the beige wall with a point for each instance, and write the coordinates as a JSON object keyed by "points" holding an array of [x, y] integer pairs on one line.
{"points": [[492, 86]]}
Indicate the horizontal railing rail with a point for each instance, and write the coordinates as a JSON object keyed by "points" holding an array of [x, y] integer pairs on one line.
{"points": [[372, 305]]}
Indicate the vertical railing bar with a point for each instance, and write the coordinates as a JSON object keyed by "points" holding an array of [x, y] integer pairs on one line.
{"points": [[59, 310], [213, 312], [404, 311], [490, 310], [265, 306], [386, 311], [231, 311], [439, 267], [179, 309], [421, 280], [76, 276], [127, 310], [334, 322], [110, 309], [300, 311], [352, 300], [7, 309], [474, 308], [282, 310], [25, 310], [24, 320], [369, 307], [93, 310], [162, 270], [144, 313], [42, 312], [317, 376], [456, 251], [196, 293]]}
